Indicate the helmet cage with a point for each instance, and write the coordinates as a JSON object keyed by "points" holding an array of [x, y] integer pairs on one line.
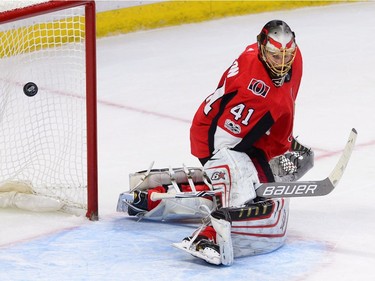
{"points": [[278, 61]]}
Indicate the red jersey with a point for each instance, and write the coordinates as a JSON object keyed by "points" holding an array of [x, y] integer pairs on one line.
{"points": [[247, 110]]}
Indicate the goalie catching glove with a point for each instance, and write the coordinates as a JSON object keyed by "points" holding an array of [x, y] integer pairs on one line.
{"points": [[294, 164]]}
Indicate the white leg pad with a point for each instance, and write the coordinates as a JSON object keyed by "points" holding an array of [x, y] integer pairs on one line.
{"points": [[234, 174], [223, 239]]}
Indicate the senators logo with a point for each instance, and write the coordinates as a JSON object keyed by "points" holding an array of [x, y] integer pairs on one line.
{"points": [[258, 87]]}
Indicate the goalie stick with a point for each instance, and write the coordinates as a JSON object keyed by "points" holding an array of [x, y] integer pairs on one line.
{"points": [[287, 189]]}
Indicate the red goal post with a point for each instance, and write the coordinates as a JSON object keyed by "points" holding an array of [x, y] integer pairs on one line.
{"points": [[58, 157]]}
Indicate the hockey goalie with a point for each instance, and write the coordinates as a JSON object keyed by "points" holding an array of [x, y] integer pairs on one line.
{"points": [[243, 136]]}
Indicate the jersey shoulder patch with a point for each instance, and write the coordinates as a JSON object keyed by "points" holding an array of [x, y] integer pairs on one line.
{"points": [[258, 87]]}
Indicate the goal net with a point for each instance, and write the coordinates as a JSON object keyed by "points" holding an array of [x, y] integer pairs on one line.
{"points": [[48, 103]]}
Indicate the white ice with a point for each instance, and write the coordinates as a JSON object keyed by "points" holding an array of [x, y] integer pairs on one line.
{"points": [[150, 84]]}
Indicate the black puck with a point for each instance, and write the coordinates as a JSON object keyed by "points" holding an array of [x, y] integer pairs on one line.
{"points": [[30, 89]]}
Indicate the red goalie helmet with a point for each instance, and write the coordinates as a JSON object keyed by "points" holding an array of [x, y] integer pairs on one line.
{"points": [[277, 48]]}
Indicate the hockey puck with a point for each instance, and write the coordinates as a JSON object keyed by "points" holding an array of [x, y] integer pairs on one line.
{"points": [[30, 89]]}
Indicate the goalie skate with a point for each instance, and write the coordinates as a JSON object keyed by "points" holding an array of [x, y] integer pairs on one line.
{"points": [[207, 254], [126, 203], [124, 200]]}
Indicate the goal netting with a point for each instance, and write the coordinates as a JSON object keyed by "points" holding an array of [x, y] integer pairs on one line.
{"points": [[48, 102]]}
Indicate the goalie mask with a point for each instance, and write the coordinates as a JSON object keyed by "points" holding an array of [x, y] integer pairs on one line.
{"points": [[277, 50]]}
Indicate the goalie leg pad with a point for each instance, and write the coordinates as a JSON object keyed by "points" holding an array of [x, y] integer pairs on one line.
{"points": [[170, 180], [180, 208], [223, 239], [256, 228], [166, 209], [260, 234], [234, 174], [144, 180]]}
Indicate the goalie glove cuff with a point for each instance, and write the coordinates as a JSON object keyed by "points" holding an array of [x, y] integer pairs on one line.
{"points": [[296, 146]]}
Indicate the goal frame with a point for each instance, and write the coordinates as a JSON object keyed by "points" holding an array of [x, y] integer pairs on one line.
{"points": [[91, 83]]}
